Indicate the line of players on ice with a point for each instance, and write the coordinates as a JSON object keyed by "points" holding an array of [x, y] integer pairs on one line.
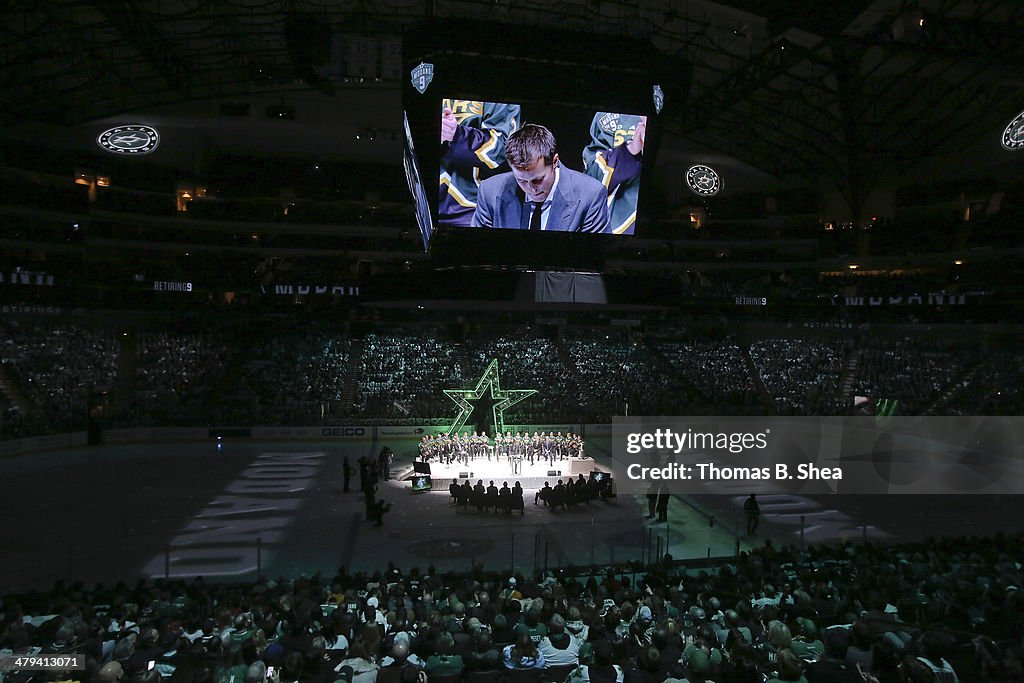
{"points": [[515, 448]]}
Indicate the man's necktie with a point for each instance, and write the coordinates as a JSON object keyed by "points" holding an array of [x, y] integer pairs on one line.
{"points": [[538, 211]]}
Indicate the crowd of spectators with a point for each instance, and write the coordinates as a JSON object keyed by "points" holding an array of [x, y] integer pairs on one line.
{"points": [[916, 371], [714, 372], [994, 387], [283, 375], [289, 376], [616, 373], [525, 361], [175, 373], [801, 376], [407, 370], [946, 610], [55, 367]]}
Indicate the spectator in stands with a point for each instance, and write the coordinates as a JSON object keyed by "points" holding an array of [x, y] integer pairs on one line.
{"points": [[111, 672], [791, 668], [601, 670], [806, 643], [400, 657], [696, 668], [932, 649], [257, 673], [859, 650], [861, 578], [364, 669], [522, 654], [445, 662], [646, 667], [559, 649], [502, 633], [484, 657]]}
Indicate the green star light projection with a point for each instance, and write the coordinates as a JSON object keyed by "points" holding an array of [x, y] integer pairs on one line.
{"points": [[489, 385]]}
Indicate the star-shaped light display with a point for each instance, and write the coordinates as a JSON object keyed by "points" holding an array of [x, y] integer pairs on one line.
{"points": [[489, 385]]}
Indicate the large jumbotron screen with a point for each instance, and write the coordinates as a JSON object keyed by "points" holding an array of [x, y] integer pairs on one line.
{"points": [[511, 166], [522, 147]]}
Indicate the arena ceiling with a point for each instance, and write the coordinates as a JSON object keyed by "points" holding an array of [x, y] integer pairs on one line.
{"points": [[856, 92]]}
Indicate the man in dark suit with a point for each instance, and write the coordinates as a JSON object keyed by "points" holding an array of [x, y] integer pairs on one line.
{"points": [[539, 193]]}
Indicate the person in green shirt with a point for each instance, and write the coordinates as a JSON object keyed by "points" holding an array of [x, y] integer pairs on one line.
{"points": [[443, 662], [806, 644], [531, 626]]}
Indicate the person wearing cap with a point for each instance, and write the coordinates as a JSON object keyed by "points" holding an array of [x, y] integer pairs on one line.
{"points": [[372, 612], [510, 592], [701, 651], [641, 629], [733, 621]]}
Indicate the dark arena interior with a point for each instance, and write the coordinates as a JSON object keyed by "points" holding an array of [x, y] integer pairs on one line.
{"points": [[703, 363]]}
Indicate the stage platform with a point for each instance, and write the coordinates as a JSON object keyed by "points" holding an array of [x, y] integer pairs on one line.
{"points": [[530, 476]]}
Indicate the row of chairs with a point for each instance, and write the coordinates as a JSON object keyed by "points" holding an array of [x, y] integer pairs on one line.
{"points": [[485, 501]]}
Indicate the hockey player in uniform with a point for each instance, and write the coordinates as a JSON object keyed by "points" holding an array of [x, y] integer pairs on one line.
{"points": [[509, 444], [614, 156], [473, 138], [482, 443], [535, 448], [499, 445]]}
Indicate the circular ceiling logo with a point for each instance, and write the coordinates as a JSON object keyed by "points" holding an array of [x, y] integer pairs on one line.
{"points": [[1013, 136], [703, 180], [129, 140]]}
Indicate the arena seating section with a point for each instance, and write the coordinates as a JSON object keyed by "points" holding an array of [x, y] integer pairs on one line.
{"points": [[946, 606], [282, 375]]}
